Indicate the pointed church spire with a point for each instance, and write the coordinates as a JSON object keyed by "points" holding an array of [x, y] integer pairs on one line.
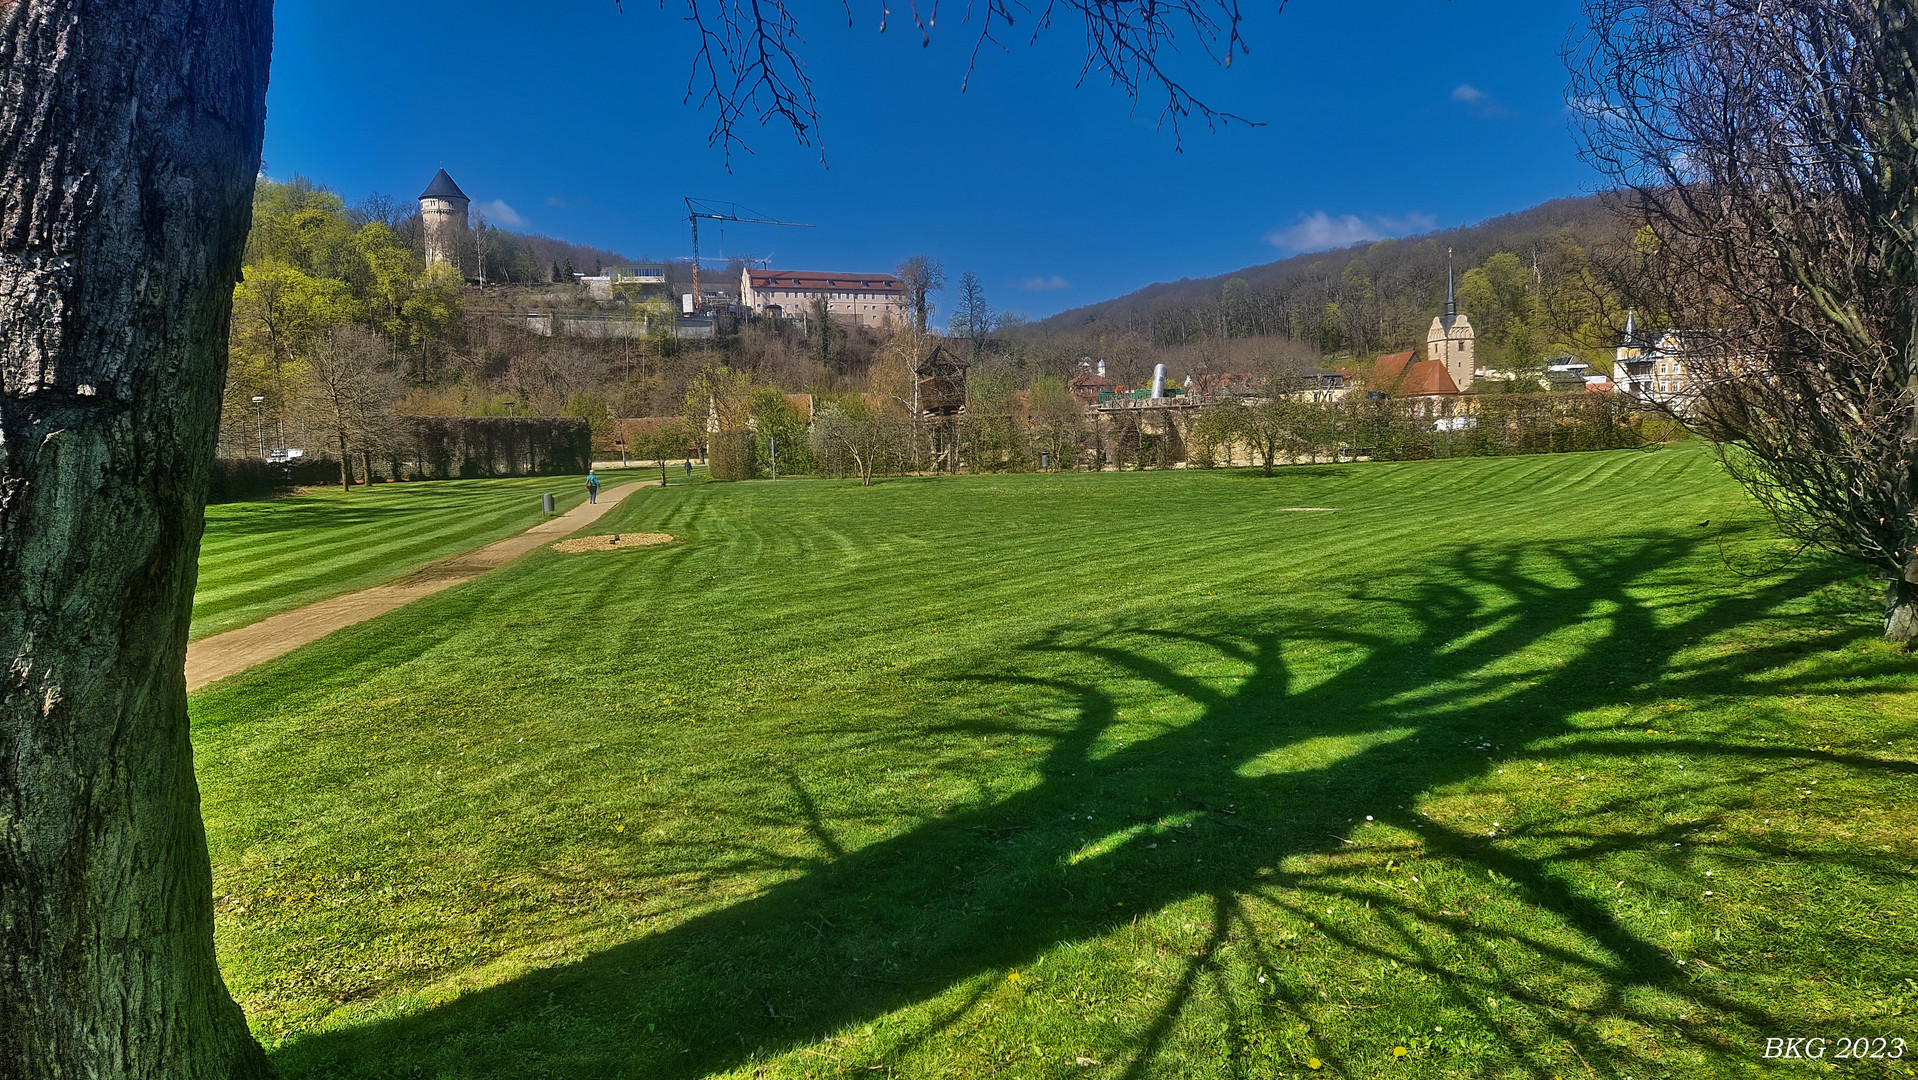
{"points": [[1451, 292]]}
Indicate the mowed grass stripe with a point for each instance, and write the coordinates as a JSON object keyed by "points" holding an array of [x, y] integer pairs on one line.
{"points": [[261, 558], [1225, 788]]}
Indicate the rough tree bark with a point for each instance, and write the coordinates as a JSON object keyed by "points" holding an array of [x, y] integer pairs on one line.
{"points": [[130, 135]]}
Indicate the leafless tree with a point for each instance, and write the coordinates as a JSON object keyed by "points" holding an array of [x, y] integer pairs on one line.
{"points": [[351, 396], [864, 439], [1770, 152], [922, 275], [973, 318]]}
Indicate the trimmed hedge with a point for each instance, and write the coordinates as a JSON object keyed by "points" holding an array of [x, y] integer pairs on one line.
{"points": [[245, 480], [463, 447], [250, 479]]}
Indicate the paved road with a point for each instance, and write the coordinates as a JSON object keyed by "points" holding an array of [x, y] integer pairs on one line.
{"points": [[211, 659]]}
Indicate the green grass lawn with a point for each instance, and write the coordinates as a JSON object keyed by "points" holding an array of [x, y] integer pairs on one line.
{"points": [[262, 558], [1529, 767]]}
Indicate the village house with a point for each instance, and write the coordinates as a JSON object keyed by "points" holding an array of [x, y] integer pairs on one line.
{"points": [[1653, 368]]}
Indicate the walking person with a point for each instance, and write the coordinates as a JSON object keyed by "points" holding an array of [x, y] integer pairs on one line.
{"points": [[689, 468], [592, 486]]}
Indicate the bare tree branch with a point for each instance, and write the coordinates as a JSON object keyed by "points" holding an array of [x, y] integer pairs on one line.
{"points": [[749, 68]]}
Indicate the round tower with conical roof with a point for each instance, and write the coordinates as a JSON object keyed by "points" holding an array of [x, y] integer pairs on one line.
{"points": [[443, 212]]}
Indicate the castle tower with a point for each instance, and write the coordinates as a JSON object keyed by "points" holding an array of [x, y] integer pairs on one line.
{"points": [[443, 212], [1451, 340]]}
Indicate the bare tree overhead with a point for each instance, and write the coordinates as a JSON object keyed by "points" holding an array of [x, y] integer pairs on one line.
{"points": [[1770, 152], [749, 67]]}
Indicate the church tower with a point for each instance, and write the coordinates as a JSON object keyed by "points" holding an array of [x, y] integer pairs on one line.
{"points": [[1451, 340], [443, 212]]}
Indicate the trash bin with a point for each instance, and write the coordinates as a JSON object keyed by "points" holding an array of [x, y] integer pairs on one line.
{"points": [[546, 502]]}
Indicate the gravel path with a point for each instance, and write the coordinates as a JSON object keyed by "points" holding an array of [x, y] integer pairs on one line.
{"points": [[211, 659]]}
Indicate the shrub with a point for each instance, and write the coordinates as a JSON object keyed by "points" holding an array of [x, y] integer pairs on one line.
{"points": [[731, 456]]}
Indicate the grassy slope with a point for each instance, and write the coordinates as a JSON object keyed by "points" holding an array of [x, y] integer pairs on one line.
{"points": [[982, 776], [262, 558]]}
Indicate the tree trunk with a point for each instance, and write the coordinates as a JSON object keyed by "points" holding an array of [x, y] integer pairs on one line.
{"points": [[346, 466], [129, 141], [1901, 609]]}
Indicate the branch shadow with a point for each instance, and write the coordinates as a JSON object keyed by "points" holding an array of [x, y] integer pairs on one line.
{"points": [[945, 906]]}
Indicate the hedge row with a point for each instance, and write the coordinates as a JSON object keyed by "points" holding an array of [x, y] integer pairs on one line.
{"points": [[445, 447]]}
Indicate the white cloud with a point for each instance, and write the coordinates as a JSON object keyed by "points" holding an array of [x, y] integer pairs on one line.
{"points": [[1320, 231], [1042, 284], [1478, 101], [497, 212]]}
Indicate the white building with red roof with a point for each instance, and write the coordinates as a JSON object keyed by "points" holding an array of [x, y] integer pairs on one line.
{"points": [[862, 299]]}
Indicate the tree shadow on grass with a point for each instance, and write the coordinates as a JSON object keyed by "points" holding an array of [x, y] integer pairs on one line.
{"points": [[930, 913]]}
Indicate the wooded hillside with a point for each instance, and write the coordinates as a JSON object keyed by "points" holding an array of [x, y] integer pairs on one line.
{"points": [[1525, 280]]}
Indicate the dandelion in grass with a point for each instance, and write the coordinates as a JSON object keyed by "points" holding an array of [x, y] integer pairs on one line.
{"points": [[1399, 1051]]}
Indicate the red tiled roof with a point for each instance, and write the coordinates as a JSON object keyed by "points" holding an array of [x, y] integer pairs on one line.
{"points": [[634, 425], [1390, 367], [1425, 377], [1402, 374], [810, 280], [1604, 387]]}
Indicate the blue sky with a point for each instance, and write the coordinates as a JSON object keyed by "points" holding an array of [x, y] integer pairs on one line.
{"points": [[567, 119]]}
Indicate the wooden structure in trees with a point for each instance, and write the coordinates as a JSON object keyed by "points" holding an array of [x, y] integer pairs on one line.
{"points": [[942, 384], [941, 399]]}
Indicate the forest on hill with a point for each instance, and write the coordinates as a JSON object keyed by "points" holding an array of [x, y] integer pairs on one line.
{"points": [[1531, 282]]}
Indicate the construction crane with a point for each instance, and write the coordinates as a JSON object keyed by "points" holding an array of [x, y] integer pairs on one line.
{"points": [[701, 209]]}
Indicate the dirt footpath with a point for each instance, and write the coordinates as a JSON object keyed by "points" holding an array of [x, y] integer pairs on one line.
{"points": [[211, 659]]}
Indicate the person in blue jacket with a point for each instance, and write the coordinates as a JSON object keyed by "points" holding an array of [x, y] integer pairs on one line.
{"points": [[592, 486]]}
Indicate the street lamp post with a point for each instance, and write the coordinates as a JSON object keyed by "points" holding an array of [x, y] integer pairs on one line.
{"points": [[259, 409]]}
